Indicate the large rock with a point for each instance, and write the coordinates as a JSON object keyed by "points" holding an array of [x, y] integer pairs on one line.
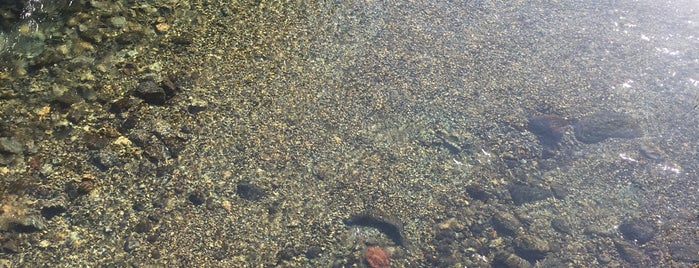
{"points": [[604, 125]]}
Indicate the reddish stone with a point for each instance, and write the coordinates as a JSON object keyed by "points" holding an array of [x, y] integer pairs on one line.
{"points": [[377, 257]]}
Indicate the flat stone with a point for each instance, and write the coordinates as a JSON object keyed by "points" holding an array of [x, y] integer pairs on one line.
{"points": [[604, 125], [687, 253], [522, 194], [632, 254], [638, 230]]}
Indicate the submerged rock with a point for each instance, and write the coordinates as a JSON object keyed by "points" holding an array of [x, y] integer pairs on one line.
{"points": [[548, 128], [638, 230], [522, 194], [604, 125]]}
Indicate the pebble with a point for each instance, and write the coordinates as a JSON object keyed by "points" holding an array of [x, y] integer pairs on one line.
{"points": [[604, 125]]}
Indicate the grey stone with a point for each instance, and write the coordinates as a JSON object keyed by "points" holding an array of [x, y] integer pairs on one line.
{"points": [[10, 145], [604, 125], [531, 247], [506, 223], [632, 254]]}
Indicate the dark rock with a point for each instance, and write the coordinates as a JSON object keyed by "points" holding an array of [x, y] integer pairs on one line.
{"points": [[530, 247], [152, 238], [52, 211], [548, 128], [151, 92], [123, 104], [143, 226], [390, 225], [10, 145], [632, 254], [638, 230], [522, 194], [506, 223], [684, 252], [314, 252], [560, 191], [197, 198], [603, 125], [152, 146], [75, 189], [477, 192], [249, 191]]}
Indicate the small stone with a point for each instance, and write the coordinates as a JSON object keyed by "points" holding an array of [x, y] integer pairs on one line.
{"points": [[377, 257], [68, 98], [197, 198], [450, 224], [162, 27], [10, 246], [651, 152], [131, 244], [196, 106], [105, 159]]}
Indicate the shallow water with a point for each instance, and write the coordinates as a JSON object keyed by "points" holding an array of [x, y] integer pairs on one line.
{"points": [[306, 134]]}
